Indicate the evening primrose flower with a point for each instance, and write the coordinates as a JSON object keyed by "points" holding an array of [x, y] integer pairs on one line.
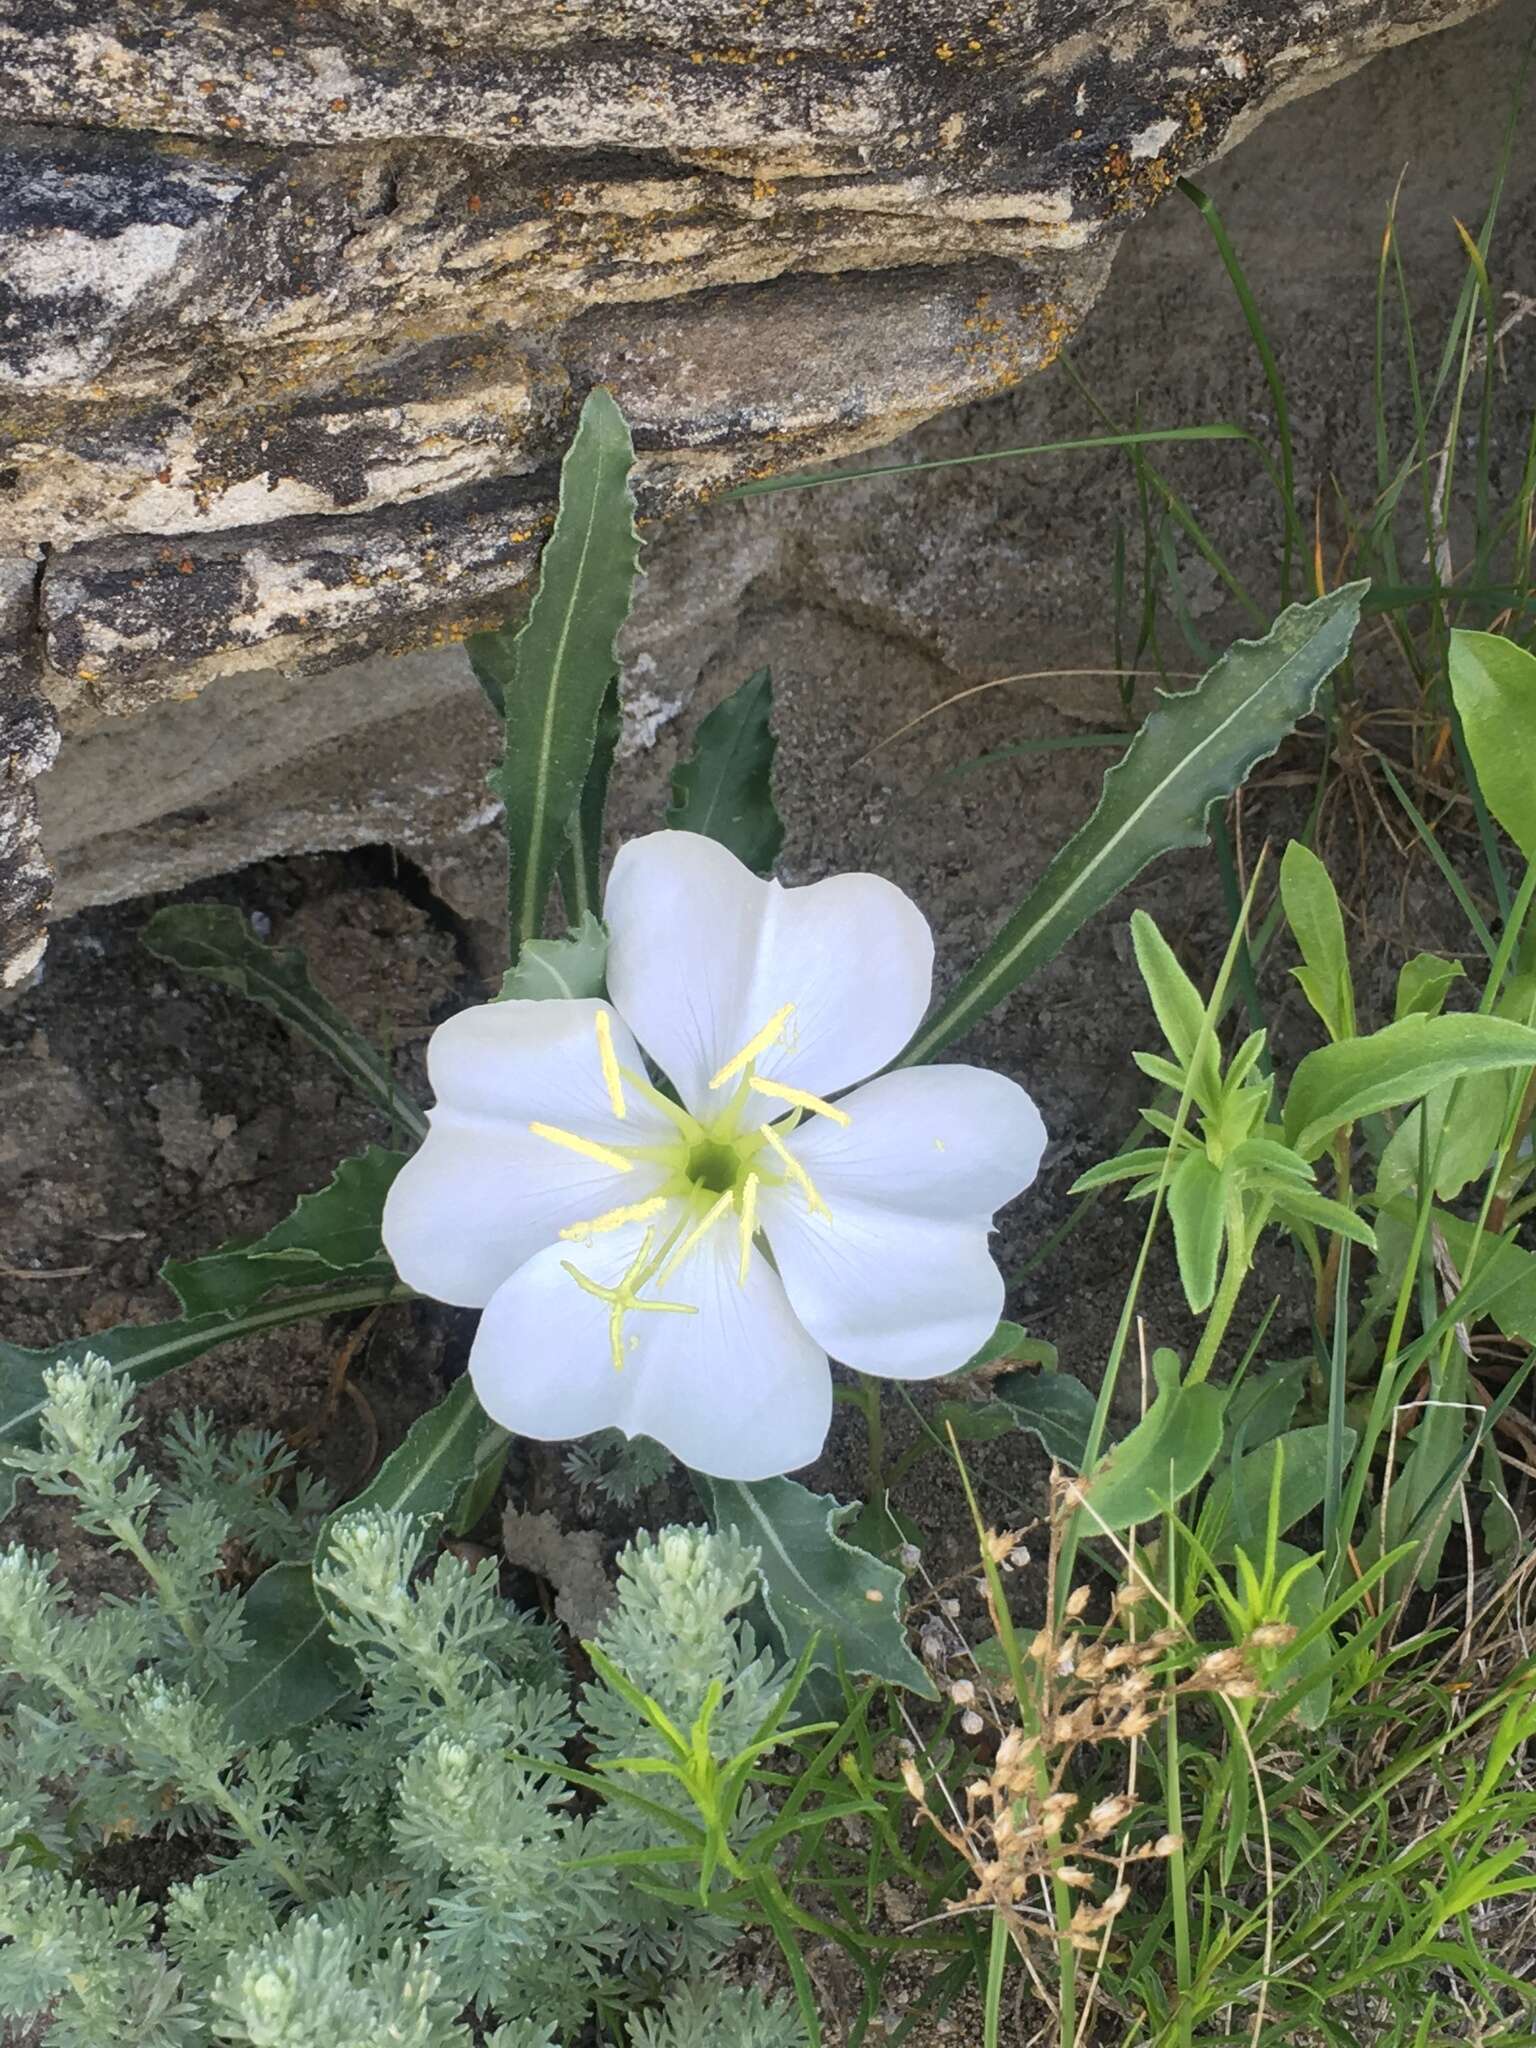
{"points": [[682, 1268]]}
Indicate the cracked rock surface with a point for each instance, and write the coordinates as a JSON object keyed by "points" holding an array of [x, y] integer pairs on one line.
{"points": [[298, 303]]}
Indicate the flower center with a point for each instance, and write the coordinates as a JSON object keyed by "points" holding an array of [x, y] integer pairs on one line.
{"points": [[699, 1176], [715, 1165]]}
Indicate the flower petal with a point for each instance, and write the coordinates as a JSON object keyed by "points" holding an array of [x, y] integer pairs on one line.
{"points": [[902, 1296], [484, 1192], [897, 1279], [703, 955], [737, 1390], [945, 1142]]}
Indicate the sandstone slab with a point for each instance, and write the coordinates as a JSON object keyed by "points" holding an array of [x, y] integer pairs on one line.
{"points": [[298, 303]]}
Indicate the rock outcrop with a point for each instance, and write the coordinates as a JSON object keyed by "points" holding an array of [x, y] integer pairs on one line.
{"points": [[298, 302]]}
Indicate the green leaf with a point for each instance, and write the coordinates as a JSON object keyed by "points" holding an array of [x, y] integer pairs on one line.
{"points": [[1493, 683], [1237, 1507], [1339, 1083], [1317, 925], [1503, 1283], [580, 868], [1197, 1195], [336, 1230], [215, 941], [1194, 750], [815, 1584], [1126, 1166], [1011, 1341], [1056, 1408], [1166, 1455], [1305, 1603], [573, 966], [294, 1672], [146, 1350], [725, 788], [1300, 1204], [1423, 985], [1179, 1007], [1465, 1141], [554, 671], [441, 1465]]}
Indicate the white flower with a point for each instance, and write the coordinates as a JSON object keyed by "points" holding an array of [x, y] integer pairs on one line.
{"points": [[683, 1272]]}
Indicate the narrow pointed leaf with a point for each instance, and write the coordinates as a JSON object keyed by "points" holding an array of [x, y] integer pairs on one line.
{"points": [[1317, 925], [815, 1584], [555, 670], [1177, 1002], [215, 941], [1194, 750], [440, 1466], [580, 869], [335, 1230], [725, 787], [1196, 1207]]}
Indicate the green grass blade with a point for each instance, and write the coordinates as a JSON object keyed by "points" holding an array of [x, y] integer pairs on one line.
{"points": [[1219, 430]]}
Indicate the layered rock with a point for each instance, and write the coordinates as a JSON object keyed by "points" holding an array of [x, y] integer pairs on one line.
{"points": [[298, 304]]}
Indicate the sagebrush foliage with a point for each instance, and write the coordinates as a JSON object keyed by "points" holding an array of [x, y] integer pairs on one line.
{"points": [[410, 1869]]}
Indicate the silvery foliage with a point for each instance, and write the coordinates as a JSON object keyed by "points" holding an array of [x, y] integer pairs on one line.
{"points": [[400, 1871]]}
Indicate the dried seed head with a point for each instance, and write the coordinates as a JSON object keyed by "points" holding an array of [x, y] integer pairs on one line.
{"points": [[963, 1693], [1109, 1814], [911, 1557], [1166, 1844], [1132, 1593], [950, 1607], [912, 1778], [1135, 1723], [1000, 1543], [1077, 1600], [1274, 1635], [1068, 1873], [972, 1723], [1054, 1810], [1018, 1557]]}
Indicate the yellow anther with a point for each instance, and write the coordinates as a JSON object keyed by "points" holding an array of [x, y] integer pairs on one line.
{"points": [[705, 1224], [747, 1225], [801, 1098], [623, 1298], [587, 1147], [610, 1064], [755, 1045], [611, 1219], [797, 1173]]}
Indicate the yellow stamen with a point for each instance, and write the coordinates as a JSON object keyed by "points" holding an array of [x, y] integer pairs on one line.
{"points": [[587, 1147], [622, 1299], [672, 1110], [747, 1225], [705, 1224], [610, 1064], [611, 1219], [797, 1173], [755, 1045], [801, 1098]]}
